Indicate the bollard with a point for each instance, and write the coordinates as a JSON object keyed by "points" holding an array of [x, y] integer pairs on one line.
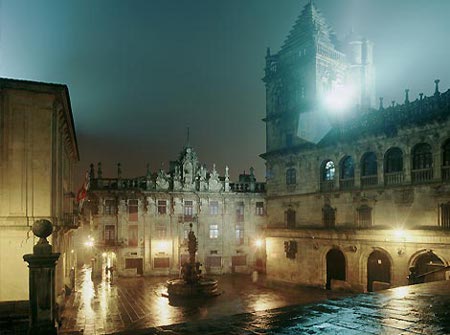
{"points": [[42, 264]]}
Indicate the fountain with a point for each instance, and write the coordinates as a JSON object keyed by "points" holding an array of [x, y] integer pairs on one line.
{"points": [[192, 284]]}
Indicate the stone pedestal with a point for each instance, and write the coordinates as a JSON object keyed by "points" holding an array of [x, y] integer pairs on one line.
{"points": [[42, 264]]}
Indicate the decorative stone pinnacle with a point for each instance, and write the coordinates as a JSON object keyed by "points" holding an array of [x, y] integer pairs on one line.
{"points": [[99, 170], [407, 96], [436, 89], [393, 103], [91, 171], [119, 170], [381, 103], [42, 229], [421, 96]]}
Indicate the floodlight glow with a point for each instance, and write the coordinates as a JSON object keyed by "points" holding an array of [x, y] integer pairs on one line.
{"points": [[339, 98], [259, 243], [104, 254], [89, 243], [399, 233], [163, 246]]}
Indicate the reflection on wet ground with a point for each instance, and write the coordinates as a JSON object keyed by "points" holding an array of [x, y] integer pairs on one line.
{"points": [[99, 307]]}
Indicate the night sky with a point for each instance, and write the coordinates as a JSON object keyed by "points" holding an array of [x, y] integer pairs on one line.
{"points": [[140, 72]]}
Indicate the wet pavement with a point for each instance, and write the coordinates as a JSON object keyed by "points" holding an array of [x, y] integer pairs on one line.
{"points": [[129, 304]]}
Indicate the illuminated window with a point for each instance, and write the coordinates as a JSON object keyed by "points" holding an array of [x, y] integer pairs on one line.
{"points": [[328, 171], [110, 207], [329, 216], [291, 176], [133, 210], [240, 211], [239, 234], [213, 231], [162, 207], [289, 218], [260, 208], [393, 160], [133, 235], [188, 210], [364, 216], [213, 207]]}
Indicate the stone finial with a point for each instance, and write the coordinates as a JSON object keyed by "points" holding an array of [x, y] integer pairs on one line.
{"points": [[420, 96], [268, 52], [149, 173], [436, 87], [42, 229], [119, 170], [381, 103], [91, 171], [407, 96], [393, 103], [99, 170], [252, 171]]}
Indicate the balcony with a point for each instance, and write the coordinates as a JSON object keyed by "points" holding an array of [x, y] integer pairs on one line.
{"points": [[346, 184], [327, 186], [421, 175], [248, 187], [369, 181], [394, 178], [70, 220]]}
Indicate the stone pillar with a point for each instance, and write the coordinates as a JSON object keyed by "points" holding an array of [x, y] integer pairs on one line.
{"points": [[42, 264]]}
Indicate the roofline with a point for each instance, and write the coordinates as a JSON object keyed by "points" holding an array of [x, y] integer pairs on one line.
{"points": [[42, 87]]}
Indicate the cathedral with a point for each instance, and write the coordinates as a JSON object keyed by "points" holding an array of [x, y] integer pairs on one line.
{"points": [[358, 193]]}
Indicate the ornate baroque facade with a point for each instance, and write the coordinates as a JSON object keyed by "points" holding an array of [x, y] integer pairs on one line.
{"points": [[140, 226], [362, 203]]}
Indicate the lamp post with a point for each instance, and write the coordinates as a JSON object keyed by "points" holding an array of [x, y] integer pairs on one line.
{"points": [[42, 264]]}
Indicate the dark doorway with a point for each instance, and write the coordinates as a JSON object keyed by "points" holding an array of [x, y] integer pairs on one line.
{"points": [[335, 266], [378, 269], [427, 266], [134, 263]]}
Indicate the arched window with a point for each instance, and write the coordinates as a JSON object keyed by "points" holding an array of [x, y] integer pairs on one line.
{"points": [[328, 170], [289, 217], [393, 161], [369, 164], [347, 168], [446, 153], [329, 216], [291, 176], [422, 157]]}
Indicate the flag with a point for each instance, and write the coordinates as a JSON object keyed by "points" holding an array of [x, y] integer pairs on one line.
{"points": [[82, 192]]}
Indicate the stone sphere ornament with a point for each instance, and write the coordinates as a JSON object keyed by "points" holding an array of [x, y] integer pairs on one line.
{"points": [[42, 228]]}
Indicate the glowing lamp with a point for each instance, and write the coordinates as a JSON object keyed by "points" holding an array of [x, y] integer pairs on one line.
{"points": [[259, 243], [104, 254], [399, 233], [89, 243]]}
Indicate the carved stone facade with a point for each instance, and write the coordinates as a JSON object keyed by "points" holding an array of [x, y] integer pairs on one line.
{"points": [[140, 226], [38, 151], [368, 200]]}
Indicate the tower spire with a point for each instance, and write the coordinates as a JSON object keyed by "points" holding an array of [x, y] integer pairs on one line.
{"points": [[187, 137]]}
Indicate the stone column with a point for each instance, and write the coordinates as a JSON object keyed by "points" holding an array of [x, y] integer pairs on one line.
{"points": [[42, 264]]}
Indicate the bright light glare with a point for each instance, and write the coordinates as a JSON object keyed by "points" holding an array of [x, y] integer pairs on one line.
{"points": [[259, 243], [89, 243], [339, 98], [399, 233], [163, 246], [104, 254]]}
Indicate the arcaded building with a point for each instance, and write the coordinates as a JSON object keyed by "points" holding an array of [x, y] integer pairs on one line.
{"points": [[358, 195], [38, 151], [139, 226]]}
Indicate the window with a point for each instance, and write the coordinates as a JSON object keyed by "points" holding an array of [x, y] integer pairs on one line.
{"points": [[364, 216], [347, 168], [393, 160], [446, 153], [161, 232], [133, 210], [110, 207], [110, 234], [260, 208], [328, 171], [289, 217], [329, 216], [162, 207], [213, 231], [188, 210], [239, 234], [291, 176], [444, 215], [133, 235], [240, 211], [213, 207], [369, 164], [422, 157]]}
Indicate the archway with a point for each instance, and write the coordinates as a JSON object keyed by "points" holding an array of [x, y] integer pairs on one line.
{"points": [[425, 268], [335, 266], [378, 269]]}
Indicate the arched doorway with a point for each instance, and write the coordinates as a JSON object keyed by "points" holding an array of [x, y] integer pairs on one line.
{"points": [[378, 269], [335, 266], [426, 268]]}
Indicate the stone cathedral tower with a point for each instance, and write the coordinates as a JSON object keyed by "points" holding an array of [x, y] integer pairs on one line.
{"points": [[311, 68]]}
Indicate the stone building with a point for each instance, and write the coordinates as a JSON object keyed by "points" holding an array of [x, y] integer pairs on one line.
{"points": [[38, 150], [139, 226], [357, 197]]}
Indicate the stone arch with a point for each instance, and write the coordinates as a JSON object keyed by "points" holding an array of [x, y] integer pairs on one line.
{"points": [[364, 256], [379, 269], [335, 266], [425, 261]]}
